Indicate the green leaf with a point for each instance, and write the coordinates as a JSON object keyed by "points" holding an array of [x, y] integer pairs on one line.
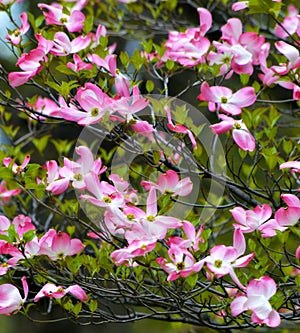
{"points": [[251, 245], [64, 69], [288, 146], [28, 236], [93, 306], [41, 143], [191, 280], [77, 308], [124, 58], [71, 229], [149, 86], [264, 7], [88, 24], [137, 60], [170, 64], [244, 79]]}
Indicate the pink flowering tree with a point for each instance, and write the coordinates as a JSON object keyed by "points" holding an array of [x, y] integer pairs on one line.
{"points": [[157, 178]]}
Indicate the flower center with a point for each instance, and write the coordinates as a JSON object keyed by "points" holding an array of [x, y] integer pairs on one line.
{"points": [[237, 126], [130, 217], [17, 33], [63, 20], [218, 263], [180, 265], [94, 112], [107, 199], [224, 99], [78, 176], [150, 218]]}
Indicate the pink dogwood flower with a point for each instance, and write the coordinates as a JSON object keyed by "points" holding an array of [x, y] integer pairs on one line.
{"points": [[222, 98], [169, 183], [182, 263], [78, 64], [256, 219], [135, 249], [29, 250], [240, 5], [50, 290], [56, 185], [45, 106], [22, 224], [109, 64], [258, 293], [54, 14], [62, 45], [188, 48], [178, 128], [75, 171], [11, 300], [242, 49], [290, 68], [193, 238], [240, 133], [30, 63], [290, 24], [6, 194], [103, 194], [294, 165], [223, 259], [58, 245], [15, 167], [288, 216], [15, 36], [149, 225], [93, 101], [291, 53]]}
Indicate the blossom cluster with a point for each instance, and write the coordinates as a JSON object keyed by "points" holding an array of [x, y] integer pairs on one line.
{"points": [[147, 234], [19, 241]]}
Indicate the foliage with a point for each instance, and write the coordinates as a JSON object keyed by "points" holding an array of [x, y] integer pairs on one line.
{"points": [[120, 201]]}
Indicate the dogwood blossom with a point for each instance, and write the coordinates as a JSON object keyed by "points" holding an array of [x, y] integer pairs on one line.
{"points": [[240, 133], [288, 216], [31, 63], [178, 128], [182, 263], [223, 259], [188, 48], [15, 167], [11, 300], [256, 219], [58, 245], [50, 290], [290, 24], [15, 36], [243, 49], [169, 183], [258, 292], [54, 14], [222, 98]]}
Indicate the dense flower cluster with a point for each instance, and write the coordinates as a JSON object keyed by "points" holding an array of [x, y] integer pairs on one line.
{"points": [[147, 233]]}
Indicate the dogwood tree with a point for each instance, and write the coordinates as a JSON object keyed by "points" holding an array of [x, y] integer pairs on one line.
{"points": [[120, 200]]}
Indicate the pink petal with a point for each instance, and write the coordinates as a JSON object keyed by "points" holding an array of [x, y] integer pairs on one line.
{"points": [[244, 97], [237, 306], [265, 286], [205, 19], [78, 292], [291, 200], [239, 241]]}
